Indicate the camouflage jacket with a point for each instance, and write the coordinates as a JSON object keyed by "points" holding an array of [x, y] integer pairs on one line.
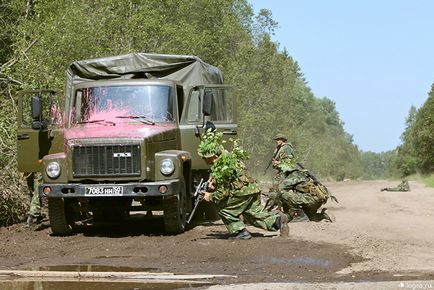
{"points": [[242, 185], [404, 186], [285, 154]]}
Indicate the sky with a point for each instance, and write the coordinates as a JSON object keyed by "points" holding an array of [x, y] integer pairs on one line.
{"points": [[373, 58]]}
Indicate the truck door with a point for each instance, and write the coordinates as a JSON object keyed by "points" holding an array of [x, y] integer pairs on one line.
{"points": [[223, 118], [39, 132]]}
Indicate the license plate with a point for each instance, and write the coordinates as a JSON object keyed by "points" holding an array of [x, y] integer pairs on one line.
{"points": [[104, 191]]}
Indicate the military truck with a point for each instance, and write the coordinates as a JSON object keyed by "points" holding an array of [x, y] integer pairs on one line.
{"points": [[125, 139]]}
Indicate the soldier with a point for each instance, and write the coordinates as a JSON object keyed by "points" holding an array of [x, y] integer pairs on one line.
{"points": [[234, 191], [296, 191], [403, 186], [283, 157], [34, 216]]}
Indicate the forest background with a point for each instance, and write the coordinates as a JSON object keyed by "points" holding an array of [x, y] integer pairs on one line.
{"points": [[39, 38]]}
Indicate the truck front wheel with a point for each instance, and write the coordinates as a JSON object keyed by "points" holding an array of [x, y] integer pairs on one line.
{"points": [[175, 211], [61, 221]]}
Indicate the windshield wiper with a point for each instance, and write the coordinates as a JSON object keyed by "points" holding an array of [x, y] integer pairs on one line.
{"points": [[102, 122], [143, 119]]}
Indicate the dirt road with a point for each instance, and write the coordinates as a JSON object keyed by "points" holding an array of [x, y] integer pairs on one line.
{"points": [[378, 236]]}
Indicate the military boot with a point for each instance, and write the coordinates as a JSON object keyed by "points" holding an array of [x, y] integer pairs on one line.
{"points": [[299, 217], [327, 216], [282, 224], [33, 220], [241, 235]]}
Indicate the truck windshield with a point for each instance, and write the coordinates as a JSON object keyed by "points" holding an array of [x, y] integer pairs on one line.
{"points": [[118, 103]]}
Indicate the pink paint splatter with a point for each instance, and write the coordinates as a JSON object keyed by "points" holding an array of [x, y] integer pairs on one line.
{"points": [[109, 115]]}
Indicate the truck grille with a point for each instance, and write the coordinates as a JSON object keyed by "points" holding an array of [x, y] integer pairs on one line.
{"points": [[106, 160]]}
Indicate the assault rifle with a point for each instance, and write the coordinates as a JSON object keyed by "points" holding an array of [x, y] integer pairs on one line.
{"points": [[316, 180], [198, 195], [271, 160]]}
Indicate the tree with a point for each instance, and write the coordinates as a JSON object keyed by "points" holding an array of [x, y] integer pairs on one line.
{"points": [[9, 16], [42, 37], [405, 161], [421, 135]]}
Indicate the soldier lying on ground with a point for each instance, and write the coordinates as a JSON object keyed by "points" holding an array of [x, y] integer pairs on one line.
{"points": [[234, 191], [403, 186]]}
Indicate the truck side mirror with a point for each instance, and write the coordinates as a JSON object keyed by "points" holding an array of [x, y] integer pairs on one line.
{"points": [[207, 103], [37, 122], [36, 107]]}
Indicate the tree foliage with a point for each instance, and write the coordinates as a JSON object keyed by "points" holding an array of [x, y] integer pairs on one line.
{"points": [[374, 165], [422, 135], [416, 154], [406, 161], [42, 37], [8, 19]]}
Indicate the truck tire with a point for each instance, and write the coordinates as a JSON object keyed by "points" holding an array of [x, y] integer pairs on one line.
{"points": [[61, 224], [175, 213]]}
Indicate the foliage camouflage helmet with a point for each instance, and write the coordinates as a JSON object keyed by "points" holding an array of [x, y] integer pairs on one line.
{"points": [[280, 137], [210, 144]]}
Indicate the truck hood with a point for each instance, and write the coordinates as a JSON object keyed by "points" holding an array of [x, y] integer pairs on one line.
{"points": [[126, 130]]}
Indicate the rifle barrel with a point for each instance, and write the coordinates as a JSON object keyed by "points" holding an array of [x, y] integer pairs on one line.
{"points": [[199, 193]]}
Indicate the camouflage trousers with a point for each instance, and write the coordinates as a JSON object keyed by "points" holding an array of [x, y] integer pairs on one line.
{"points": [[297, 193], [33, 182], [281, 183], [249, 206], [293, 201], [393, 189]]}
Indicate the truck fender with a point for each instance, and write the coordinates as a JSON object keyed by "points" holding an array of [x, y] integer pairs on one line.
{"points": [[180, 159]]}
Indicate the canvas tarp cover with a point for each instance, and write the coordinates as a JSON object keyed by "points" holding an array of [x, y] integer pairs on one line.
{"points": [[189, 70]]}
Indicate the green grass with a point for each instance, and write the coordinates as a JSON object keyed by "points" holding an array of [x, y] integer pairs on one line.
{"points": [[428, 180]]}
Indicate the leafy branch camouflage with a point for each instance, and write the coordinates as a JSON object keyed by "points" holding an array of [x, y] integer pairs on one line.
{"points": [[210, 144], [229, 166]]}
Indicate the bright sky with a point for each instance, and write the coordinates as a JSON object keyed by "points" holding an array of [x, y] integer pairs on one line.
{"points": [[374, 58]]}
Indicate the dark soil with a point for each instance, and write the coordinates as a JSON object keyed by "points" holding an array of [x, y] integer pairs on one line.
{"points": [[140, 244]]}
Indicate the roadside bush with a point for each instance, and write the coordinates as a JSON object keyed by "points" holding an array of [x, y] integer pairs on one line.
{"points": [[14, 199]]}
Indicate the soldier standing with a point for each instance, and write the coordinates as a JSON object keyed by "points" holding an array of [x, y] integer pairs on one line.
{"points": [[234, 191], [295, 189], [34, 216]]}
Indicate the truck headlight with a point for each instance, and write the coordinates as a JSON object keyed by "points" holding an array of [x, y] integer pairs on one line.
{"points": [[167, 167], [53, 169]]}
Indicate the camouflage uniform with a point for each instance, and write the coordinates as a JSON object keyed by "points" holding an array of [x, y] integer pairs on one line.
{"points": [[242, 197], [236, 194], [295, 190], [403, 186], [285, 155], [33, 181]]}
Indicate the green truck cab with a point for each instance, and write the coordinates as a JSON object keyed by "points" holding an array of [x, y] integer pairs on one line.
{"points": [[125, 139]]}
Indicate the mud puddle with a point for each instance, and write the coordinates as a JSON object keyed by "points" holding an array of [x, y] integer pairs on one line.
{"points": [[63, 285], [96, 277]]}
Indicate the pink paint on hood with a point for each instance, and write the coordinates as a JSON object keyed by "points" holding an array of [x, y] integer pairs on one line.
{"points": [[115, 123], [122, 130]]}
